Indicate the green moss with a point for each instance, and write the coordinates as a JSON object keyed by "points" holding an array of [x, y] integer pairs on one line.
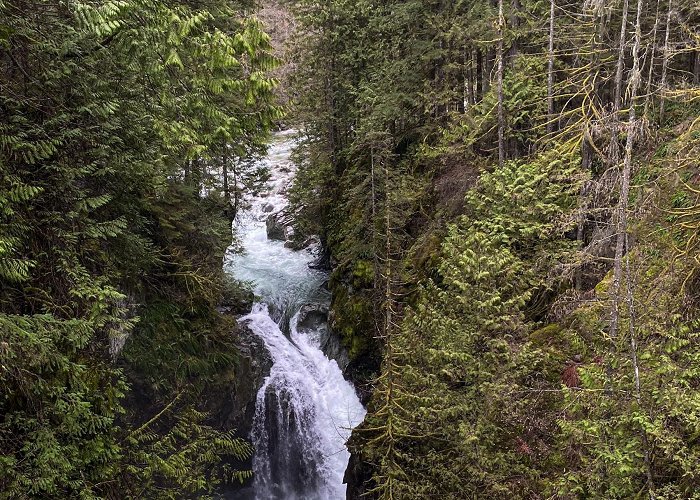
{"points": [[363, 273], [358, 346], [602, 288], [352, 319], [545, 335]]}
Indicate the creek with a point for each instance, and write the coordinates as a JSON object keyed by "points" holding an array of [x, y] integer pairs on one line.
{"points": [[305, 409]]}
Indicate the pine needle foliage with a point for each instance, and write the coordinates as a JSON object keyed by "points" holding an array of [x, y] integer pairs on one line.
{"points": [[113, 116]]}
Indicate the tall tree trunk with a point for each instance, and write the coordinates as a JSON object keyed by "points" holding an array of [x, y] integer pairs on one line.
{"points": [[637, 379], [650, 75], [468, 94], [479, 77], [587, 150], [621, 57], [187, 171], [236, 191], [664, 64], [514, 23], [623, 204], [224, 162], [622, 237], [375, 254], [488, 68], [550, 71], [501, 115]]}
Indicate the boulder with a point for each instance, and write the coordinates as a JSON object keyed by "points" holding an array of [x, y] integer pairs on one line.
{"points": [[310, 244], [279, 226], [275, 228], [313, 318]]}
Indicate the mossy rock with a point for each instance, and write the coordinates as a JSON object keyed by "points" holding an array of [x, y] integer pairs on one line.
{"points": [[351, 317], [602, 289], [363, 273], [545, 335]]}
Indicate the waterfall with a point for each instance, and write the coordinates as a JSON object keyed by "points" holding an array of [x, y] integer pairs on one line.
{"points": [[305, 410]]}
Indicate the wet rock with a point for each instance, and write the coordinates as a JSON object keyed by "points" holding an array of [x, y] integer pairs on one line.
{"points": [[313, 317], [231, 404], [311, 241], [310, 244], [269, 207], [324, 261], [358, 475], [279, 226], [291, 462], [275, 229]]}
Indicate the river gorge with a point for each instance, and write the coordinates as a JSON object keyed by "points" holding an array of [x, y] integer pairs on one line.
{"points": [[305, 409]]}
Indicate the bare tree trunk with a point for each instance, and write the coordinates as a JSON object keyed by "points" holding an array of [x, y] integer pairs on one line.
{"points": [[624, 194], [389, 356], [550, 71], [621, 57], [488, 67], [622, 237], [514, 23], [469, 89], [587, 149], [647, 98], [227, 192], [374, 226], [501, 116], [236, 193], [479, 79], [664, 65]]}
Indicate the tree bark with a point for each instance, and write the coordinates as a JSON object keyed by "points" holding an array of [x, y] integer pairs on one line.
{"points": [[514, 22], [664, 64], [501, 115], [622, 237], [650, 76], [621, 57], [224, 161], [488, 67], [479, 77], [550, 71]]}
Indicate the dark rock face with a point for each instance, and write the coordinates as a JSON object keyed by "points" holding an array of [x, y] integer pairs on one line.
{"points": [[279, 226], [314, 317], [275, 229], [238, 404], [240, 303], [309, 244], [358, 475]]}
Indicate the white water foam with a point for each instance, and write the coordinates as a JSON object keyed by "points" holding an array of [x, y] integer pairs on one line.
{"points": [[305, 410]]}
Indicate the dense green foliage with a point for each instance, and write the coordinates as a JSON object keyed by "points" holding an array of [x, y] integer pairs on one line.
{"points": [[114, 116], [509, 195]]}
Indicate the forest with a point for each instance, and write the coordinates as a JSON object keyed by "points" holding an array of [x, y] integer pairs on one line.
{"points": [[506, 197]]}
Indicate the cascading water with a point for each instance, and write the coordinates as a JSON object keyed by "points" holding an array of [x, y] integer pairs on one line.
{"points": [[305, 410]]}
